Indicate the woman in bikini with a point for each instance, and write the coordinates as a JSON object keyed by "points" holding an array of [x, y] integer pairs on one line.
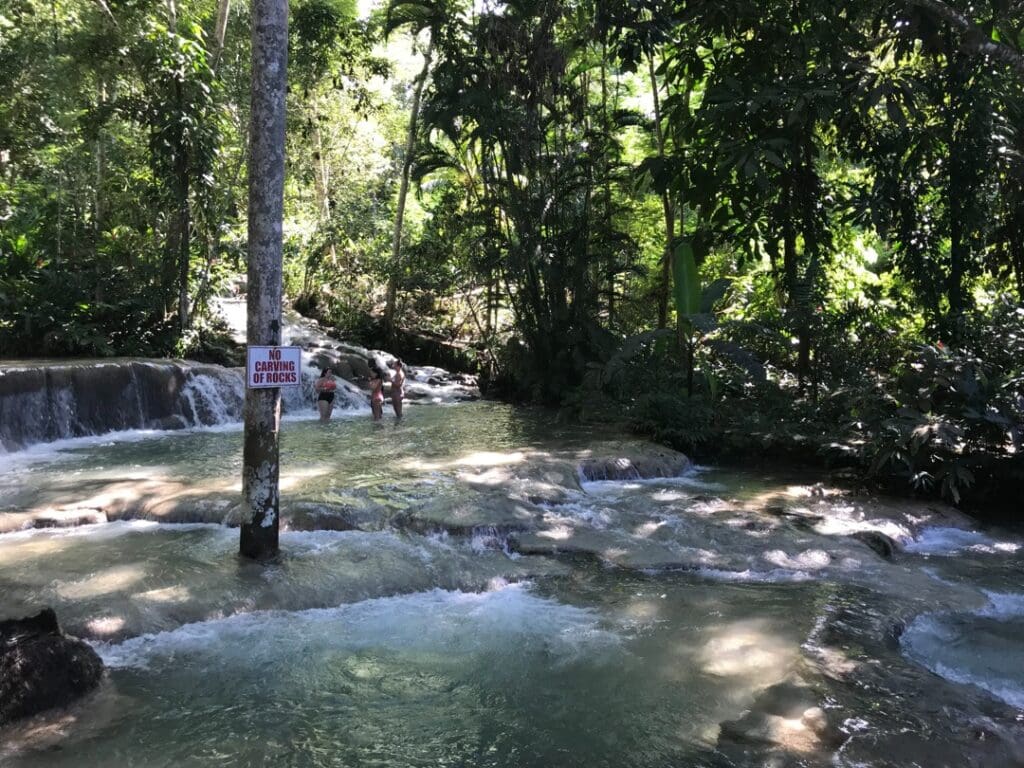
{"points": [[397, 388], [324, 388], [377, 395]]}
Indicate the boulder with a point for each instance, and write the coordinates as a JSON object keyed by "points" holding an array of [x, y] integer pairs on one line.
{"points": [[785, 718], [41, 667], [360, 367], [310, 516], [884, 546], [641, 467]]}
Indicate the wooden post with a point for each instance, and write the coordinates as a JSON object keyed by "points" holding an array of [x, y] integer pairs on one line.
{"points": [[260, 470]]}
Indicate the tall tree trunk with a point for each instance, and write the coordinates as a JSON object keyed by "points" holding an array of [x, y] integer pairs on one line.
{"points": [[666, 206], [179, 230], [1017, 256], [219, 32], [261, 468], [955, 190], [101, 167], [322, 187], [606, 129], [184, 225], [403, 191], [805, 297]]}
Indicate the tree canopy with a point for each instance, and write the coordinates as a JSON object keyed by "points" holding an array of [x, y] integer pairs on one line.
{"points": [[649, 210]]}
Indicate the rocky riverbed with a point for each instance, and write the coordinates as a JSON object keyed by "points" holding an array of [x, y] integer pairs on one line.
{"points": [[483, 584]]}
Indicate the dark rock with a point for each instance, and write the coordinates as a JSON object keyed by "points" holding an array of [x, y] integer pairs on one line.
{"points": [[318, 517], [652, 465], [784, 717], [879, 542], [359, 365], [41, 667]]}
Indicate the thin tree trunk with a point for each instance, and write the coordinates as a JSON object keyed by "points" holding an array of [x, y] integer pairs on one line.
{"points": [[666, 206], [403, 190], [179, 233], [956, 193], [60, 175], [101, 168], [322, 186], [184, 227], [219, 32], [261, 468]]}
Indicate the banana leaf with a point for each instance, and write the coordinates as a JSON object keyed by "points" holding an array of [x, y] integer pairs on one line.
{"points": [[686, 281]]}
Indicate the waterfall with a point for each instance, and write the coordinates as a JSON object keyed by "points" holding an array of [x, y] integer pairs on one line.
{"points": [[47, 401]]}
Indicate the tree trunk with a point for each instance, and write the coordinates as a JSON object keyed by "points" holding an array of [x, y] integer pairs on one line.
{"points": [[955, 192], [219, 32], [99, 212], [1017, 255], [322, 187], [666, 206], [973, 37], [260, 470], [403, 191], [184, 227]]}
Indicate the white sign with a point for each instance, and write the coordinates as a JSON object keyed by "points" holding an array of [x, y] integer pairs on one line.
{"points": [[268, 367]]}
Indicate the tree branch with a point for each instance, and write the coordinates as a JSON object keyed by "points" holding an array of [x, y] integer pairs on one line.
{"points": [[974, 37], [106, 11]]}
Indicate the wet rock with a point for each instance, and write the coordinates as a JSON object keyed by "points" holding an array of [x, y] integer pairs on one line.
{"points": [[42, 402], [654, 464], [343, 369], [317, 517], [606, 547], [883, 545], [492, 511], [784, 717], [52, 518], [359, 365], [41, 667]]}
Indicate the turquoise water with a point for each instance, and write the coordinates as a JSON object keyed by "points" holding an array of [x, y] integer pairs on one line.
{"points": [[681, 624]]}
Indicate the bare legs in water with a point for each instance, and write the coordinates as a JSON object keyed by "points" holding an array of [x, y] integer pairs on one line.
{"points": [[397, 388]]}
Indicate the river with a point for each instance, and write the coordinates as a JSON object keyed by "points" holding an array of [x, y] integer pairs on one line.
{"points": [[451, 591]]}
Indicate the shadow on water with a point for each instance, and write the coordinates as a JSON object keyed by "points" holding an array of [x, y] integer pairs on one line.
{"points": [[476, 604]]}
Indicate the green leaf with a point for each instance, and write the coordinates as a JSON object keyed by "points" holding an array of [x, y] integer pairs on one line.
{"points": [[686, 281]]}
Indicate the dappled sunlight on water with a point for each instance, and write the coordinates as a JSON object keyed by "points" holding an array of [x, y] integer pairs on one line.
{"points": [[451, 592]]}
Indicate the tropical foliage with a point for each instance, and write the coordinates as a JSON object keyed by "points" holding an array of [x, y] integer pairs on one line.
{"points": [[742, 227]]}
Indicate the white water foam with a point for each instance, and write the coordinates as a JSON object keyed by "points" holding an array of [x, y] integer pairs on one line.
{"points": [[961, 650], [1003, 605], [436, 621], [111, 530], [948, 541], [689, 479], [774, 576]]}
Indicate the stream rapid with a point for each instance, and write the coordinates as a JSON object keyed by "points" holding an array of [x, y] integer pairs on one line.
{"points": [[452, 591]]}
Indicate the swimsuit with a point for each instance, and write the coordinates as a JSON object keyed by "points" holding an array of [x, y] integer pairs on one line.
{"points": [[327, 391], [378, 393]]}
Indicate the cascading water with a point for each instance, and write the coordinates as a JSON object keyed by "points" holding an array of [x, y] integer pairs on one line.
{"points": [[43, 402], [480, 585]]}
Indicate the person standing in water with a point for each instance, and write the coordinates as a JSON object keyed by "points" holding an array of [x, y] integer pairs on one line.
{"points": [[377, 395], [397, 388], [324, 388]]}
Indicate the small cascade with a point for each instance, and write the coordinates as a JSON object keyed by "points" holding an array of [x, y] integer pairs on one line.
{"points": [[347, 397], [42, 402], [214, 399], [350, 362]]}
